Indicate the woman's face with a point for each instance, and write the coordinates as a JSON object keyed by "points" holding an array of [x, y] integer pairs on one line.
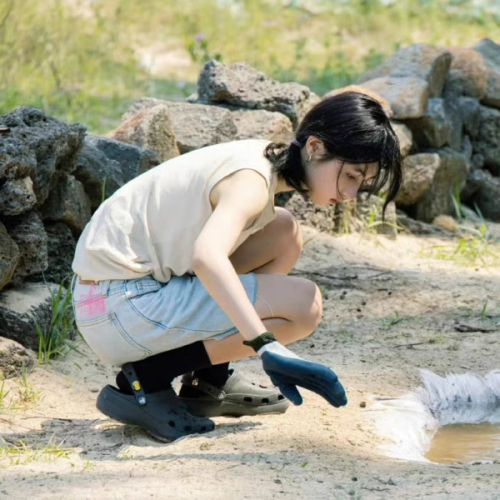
{"points": [[333, 181]]}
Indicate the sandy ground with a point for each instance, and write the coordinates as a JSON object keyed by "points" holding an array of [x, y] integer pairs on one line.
{"points": [[312, 451]]}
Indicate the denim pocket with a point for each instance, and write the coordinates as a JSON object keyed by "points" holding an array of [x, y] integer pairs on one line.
{"points": [[110, 342]]}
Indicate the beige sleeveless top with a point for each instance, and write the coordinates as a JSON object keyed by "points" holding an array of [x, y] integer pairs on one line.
{"points": [[149, 226]]}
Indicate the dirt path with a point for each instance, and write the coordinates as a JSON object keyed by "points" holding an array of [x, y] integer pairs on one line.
{"points": [[389, 310]]}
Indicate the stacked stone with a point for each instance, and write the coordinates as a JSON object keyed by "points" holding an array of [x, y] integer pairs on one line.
{"points": [[449, 100]]}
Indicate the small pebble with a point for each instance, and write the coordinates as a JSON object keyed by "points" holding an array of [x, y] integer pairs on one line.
{"points": [[362, 404], [94, 389]]}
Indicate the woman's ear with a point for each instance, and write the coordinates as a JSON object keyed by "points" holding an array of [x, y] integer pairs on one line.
{"points": [[315, 146]]}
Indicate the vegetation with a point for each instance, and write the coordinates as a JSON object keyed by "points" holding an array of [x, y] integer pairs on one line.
{"points": [[85, 61], [59, 328]]}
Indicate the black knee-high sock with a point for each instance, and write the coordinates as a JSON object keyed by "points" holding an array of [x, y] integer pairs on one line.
{"points": [[157, 372]]}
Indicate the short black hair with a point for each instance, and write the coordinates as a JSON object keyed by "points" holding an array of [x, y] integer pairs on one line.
{"points": [[355, 129]]}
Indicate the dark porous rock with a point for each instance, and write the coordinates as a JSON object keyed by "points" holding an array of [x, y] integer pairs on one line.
{"points": [[487, 140], [14, 359], [29, 234], [195, 125], [470, 114], [449, 179], [68, 203], [440, 126], [323, 219], [53, 144], [364, 214], [242, 86], [407, 96], [17, 196], [132, 159], [477, 161], [484, 191], [427, 62], [16, 159], [261, 124], [418, 173], [20, 307], [61, 250], [150, 129], [490, 51], [405, 137], [416, 226], [9, 256], [467, 75], [100, 176]]}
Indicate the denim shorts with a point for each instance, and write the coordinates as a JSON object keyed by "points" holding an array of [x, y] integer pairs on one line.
{"points": [[129, 320]]}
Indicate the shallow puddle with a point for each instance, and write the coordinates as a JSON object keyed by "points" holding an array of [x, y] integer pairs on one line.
{"points": [[463, 443]]}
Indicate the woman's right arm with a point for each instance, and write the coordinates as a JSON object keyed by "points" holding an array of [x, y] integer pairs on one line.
{"points": [[237, 200]]}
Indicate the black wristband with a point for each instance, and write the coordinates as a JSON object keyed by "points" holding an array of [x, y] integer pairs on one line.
{"points": [[261, 340]]}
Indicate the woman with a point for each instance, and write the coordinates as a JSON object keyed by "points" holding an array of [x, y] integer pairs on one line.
{"points": [[184, 269]]}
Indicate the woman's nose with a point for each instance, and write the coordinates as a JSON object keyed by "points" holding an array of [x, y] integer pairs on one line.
{"points": [[350, 193]]}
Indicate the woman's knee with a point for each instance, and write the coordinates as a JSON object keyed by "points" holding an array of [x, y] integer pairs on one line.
{"points": [[288, 232], [290, 297], [313, 308]]}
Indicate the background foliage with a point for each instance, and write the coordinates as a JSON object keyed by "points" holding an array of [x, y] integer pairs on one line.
{"points": [[86, 60]]}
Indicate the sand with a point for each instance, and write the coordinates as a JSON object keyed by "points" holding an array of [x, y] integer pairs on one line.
{"points": [[389, 310]]}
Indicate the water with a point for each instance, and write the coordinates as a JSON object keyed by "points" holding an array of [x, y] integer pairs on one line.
{"points": [[452, 419], [464, 443]]}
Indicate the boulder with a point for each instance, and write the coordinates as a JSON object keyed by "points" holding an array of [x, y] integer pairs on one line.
{"points": [[405, 137], [440, 126], [487, 140], [490, 51], [16, 159], [100, 175], [484, 191], [150, 129], [467, 74], [407, 96], [20, 307], [14, 358], [261, 124], [9, 256], [418, 173], [449, 180], [37, 145], [426, 62], [469, 114], [61, 250], [68, 203], [17, 196], [360, 215], [242, 86], [29, 234], [133, 160], [195, 125]]}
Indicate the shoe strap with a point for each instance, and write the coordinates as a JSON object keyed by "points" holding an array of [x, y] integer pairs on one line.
{"points": [[131, 375], [203, 386]]}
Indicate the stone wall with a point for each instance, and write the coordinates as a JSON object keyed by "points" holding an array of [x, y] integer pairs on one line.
{"points": [[445, 107]]}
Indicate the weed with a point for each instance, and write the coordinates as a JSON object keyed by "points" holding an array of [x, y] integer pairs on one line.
{"points": [[54, 335], [391, 321], [3, 396], [27, 394], [19, 452]]}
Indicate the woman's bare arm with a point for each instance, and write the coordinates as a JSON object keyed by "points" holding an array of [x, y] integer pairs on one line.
{"points": [[237, 200]]}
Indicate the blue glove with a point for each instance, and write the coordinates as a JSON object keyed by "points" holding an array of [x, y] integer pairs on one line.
{"points": [[286, 371]]}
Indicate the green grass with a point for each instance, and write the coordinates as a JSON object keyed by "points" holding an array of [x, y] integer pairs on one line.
{"points": [[22, 453], [83, 65], [60, 327]]}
